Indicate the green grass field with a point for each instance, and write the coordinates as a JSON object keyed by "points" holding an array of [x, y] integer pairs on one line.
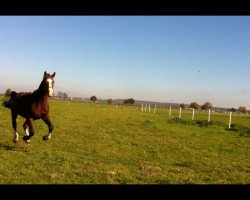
{"points": [[108, 145]]}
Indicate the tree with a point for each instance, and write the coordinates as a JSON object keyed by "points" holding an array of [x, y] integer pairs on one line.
{"points": [[232, 110], [194, 105], [60, 94], [64, 95], [242, 109], [93, 98], [182, 105], [129, 101], [126, 101], [109, 101], [206, 106]]}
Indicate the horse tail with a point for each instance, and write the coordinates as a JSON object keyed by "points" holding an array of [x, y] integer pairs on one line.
{"points": [[8, 99]]}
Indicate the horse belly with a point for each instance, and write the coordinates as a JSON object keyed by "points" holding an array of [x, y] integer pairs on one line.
{"points": [[39, 113], [25, 114]]}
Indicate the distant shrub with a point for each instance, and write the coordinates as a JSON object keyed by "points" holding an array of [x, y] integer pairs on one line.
{"points": [[242, 130], [182, 121], [200, 123], [147, 121]]}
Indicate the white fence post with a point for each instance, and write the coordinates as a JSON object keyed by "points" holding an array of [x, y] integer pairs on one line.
{"points": [[230, 117], [146, 108], [149, 108], [208, 120], [116, 106], [193, 114], [154, 109], [142, 107], [169, 111], [180, 113]]}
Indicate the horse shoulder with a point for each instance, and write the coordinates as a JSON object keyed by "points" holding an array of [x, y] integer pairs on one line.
{"points": [[39, 109]]}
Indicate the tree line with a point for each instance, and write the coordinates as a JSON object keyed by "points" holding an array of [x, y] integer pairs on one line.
{"points": [[129, 101], [208, 105]]}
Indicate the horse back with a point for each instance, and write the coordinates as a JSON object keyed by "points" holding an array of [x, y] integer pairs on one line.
{"points": [[23, 94]]}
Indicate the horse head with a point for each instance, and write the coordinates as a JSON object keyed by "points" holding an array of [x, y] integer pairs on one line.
{"points": [[49, 80]]}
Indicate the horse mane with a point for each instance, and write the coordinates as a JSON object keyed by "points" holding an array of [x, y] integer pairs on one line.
{"points": [[42, 89]]}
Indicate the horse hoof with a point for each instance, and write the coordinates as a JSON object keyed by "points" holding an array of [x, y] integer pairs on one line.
{"points": [[26, 138], [15, 140], [45, 138], [27, 141]]}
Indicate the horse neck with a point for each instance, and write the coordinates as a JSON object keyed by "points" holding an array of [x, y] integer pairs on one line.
{"points": [[42, 92]]}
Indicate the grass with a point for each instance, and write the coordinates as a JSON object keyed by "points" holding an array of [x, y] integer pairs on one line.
{"points": [[107, 145]]}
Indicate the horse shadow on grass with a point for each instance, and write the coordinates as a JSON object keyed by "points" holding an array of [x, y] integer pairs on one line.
{"points": [[16, 147]]}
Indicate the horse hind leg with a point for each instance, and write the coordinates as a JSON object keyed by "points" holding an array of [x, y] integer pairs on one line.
{"points": [[26, 129], [14, 125]]}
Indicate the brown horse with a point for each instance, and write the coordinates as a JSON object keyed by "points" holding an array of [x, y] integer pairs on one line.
{"points": [[32, 106]]}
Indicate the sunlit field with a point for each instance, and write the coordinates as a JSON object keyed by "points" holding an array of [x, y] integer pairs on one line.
{"points": [[105, 144]]}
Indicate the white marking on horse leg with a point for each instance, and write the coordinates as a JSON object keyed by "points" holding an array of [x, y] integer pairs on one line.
{"points": [[27, 131], [15, 136], [46, 137]]}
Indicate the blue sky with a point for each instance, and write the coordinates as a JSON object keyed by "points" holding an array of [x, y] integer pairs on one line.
{"points": [[177, 59]]}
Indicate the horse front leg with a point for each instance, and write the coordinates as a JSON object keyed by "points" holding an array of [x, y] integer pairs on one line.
{"points": [[29, 133], [46, 119]]}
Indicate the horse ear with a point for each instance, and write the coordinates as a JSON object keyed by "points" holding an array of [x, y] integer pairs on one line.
{"points": [[45, 73], [53, 75]]}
